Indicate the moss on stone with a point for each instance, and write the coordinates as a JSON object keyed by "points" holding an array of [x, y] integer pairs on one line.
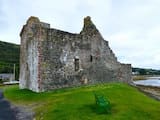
{"points": [[89, 28], [33, 19]]}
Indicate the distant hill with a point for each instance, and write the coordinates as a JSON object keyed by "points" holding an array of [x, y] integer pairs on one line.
{"points": [[143, 71], [9, 55]]}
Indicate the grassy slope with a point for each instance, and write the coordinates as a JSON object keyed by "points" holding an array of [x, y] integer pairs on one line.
{"points": [[9, 52], [9, 55], [79, 104]]}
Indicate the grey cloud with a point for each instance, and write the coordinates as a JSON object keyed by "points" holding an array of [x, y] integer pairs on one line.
{"points": [[131, 27]]}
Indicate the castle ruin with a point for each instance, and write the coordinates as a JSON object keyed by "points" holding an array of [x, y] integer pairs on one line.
{"points": [[52, 59]]}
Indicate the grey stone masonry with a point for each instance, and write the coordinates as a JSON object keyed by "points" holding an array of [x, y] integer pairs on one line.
{"points": [[52, 59]]}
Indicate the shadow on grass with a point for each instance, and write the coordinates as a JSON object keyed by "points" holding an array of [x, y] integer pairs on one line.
{"points": [[94, 109]]}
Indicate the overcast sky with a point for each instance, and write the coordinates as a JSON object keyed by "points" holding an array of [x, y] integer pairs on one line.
{"points": [[132, 27]]}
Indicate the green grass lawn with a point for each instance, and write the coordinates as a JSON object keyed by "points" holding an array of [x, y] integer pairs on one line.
{"points": [[79, 103]]}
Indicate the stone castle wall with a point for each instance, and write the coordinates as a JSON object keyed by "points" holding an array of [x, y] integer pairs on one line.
{"points": [[52, 59]]}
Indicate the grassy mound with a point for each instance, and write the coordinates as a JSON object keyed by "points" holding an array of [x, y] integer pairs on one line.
{"points": [[79, 103]]}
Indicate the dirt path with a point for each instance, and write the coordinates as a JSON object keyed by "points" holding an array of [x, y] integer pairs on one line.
{"points": [[10, 112]]}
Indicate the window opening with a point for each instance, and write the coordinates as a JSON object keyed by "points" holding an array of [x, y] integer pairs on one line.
{"points": [[76, 64]]}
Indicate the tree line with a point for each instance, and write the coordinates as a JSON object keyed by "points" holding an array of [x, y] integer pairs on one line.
{"points": [[142, 71]]}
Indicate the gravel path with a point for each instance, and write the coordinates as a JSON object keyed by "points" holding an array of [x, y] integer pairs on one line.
{"points": [[10, 112], [6, 113]]}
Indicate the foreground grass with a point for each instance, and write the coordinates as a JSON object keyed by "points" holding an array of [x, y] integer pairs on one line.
{"points": [[79, 103]]}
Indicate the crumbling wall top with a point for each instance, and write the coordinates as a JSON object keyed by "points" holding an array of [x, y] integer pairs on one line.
{"points": [[88, 27], [32, 20], [87, 22]]}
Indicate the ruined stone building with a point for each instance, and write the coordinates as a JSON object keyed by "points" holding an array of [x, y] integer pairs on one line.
{"points": [[52, 59]]}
